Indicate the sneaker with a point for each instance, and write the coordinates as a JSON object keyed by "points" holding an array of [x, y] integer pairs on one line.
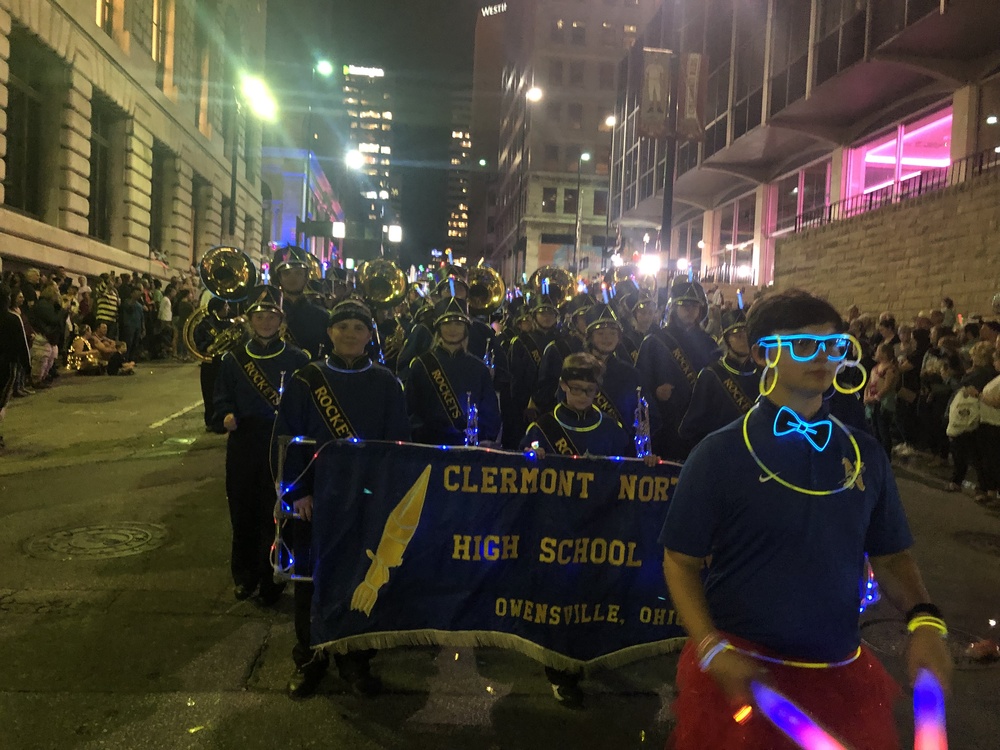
{"points": [[569, 695], [305, 680]]}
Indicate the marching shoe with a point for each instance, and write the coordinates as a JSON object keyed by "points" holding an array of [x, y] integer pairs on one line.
{"points": [[242, 592], [569, 695], [305, 680]]}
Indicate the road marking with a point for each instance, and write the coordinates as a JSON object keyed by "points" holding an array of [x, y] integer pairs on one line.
{"points": [[176, 414]]}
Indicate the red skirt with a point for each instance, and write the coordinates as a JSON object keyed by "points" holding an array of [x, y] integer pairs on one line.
{"points": [[854, 702]]}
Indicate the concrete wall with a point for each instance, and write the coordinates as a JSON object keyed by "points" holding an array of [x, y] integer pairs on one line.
{"points": [[119, 66], [904, 257]]}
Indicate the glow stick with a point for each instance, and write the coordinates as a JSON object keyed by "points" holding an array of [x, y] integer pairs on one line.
{"points": [[928, 713], [793, 722]]}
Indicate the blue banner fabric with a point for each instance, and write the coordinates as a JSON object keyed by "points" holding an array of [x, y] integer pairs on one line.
{"points": [[556, 558]]}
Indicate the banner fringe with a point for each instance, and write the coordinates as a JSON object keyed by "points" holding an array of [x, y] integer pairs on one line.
{"points": [[491, 639]]}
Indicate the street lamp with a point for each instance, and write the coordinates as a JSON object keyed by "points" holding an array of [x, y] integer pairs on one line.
{"points": [[324, 68], [534, 94], [355, 160], [585, 156], [262, 104], [610, 121]]}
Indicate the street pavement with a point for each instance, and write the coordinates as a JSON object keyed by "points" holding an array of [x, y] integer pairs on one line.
{"points": [[118, 628]]}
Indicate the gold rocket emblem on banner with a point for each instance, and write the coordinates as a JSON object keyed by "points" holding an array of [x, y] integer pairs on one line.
{"points": [[396, 535]]}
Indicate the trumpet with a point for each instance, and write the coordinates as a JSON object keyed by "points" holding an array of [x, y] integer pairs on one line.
{"points": [[642, 447], [471, 421]]}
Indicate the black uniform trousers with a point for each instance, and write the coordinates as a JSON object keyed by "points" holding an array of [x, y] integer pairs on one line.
{"points": [[250, 491], [208, 372]]}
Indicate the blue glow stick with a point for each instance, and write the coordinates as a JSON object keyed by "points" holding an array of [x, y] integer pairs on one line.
{"points": [[739, 298], [928, 713], [792, 721]]}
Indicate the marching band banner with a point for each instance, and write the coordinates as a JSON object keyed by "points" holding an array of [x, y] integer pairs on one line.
{"points": [[556, 558]]}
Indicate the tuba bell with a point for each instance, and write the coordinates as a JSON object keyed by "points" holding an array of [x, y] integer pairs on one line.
{"points": [[486, 290], [227, 272], [381, 283], [560, 283]]}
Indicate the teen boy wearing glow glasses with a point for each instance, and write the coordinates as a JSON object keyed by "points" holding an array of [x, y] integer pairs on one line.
{"points": [[786, 502]]}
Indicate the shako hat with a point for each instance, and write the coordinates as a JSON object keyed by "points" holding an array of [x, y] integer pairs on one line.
{"points": [[602, 316], [451, 309], [543, 303], [290, 256], [733, 320], [264, 298]]}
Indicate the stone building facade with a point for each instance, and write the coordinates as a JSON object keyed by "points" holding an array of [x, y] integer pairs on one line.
{"points": [[905, 257], [117, 132]]}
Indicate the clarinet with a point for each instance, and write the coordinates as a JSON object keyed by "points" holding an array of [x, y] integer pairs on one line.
{"points": [[471, 421], [641, 425]]}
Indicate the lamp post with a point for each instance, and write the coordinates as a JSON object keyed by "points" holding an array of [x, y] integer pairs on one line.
{"points": [[263, 106], [577, 240]]}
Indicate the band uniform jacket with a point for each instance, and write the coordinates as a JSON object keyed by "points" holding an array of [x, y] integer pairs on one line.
{"points": [[307, 324], [370, 397], [724, 392], [249, 381], [429, 416]]}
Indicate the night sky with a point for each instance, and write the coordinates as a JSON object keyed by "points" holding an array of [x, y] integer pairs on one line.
{"points": [[426, 47]]}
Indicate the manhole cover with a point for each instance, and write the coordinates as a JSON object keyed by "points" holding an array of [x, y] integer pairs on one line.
{"points": [[98, 542], [980, 541], [888, 636], [97, 398]]}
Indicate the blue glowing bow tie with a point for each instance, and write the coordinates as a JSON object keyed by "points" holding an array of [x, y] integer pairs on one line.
{"points": [[817, 433]]}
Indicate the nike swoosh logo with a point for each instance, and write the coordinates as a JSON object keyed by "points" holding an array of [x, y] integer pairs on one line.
{"points": [[763, 479]]}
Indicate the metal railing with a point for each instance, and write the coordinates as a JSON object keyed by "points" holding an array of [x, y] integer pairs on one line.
{"points": [[928, 181]]}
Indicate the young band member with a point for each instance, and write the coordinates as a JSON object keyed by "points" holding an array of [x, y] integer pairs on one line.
{"points": [[444, 379], [577, 428], [306, 322], [641, 316], [727, 388], [618, 396], [670, 359], [247, 392], [207, 330], [421, 337], [360, 400], [801, 500], [526, 355], [570, 341]]}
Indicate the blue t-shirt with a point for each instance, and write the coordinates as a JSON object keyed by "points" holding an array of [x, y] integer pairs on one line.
{"points": [[786, 567]]}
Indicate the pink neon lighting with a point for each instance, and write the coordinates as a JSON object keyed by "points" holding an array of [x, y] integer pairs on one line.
{"points": [[908, 161], [795, 723], [928, 713]]}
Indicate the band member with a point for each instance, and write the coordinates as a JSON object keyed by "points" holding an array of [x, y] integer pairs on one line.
{"points": [[526, 355], [670, 359], [577, 428], [618, 396], [247, 391], [443, 380], [421, 337], [570, 341], [641, 320], [204, 334], [801, 501], [367, 403], [305, 321], [727, 388]]}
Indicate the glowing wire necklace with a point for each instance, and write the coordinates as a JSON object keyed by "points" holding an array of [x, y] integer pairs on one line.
{"points": [[600, 418], [264, 356], [848, 484]]}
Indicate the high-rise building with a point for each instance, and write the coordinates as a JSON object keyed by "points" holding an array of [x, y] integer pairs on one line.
{"points": [[556, 94], [459, 165], [832, 114], [368, 107], [121, 132]]}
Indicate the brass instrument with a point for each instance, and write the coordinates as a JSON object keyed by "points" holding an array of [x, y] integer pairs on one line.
{"points": [[486, 290], [561, 284], [228, 273], [641, 424], [381, 283]]}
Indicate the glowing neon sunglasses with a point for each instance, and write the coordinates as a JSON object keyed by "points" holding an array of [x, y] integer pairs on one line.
{"points": [[804, 347]]}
